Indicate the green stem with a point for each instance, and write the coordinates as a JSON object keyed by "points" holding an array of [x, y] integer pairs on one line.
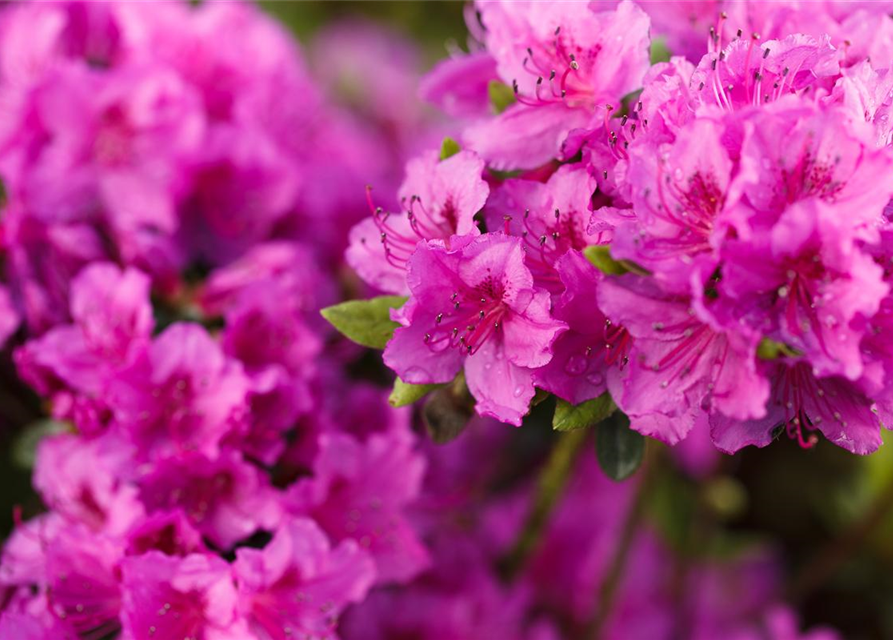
{"points": [[608, 589], [552, 481]]}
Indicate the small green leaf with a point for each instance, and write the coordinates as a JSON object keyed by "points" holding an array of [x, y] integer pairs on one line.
{"points": [[600, 257], [659, 51], [501, 95], [24, 448], [405, 394], [586, 414], [771, 350], [366, 322], [449, 148], [619, 449]]}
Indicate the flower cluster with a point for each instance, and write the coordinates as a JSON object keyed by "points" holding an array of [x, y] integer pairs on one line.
{"points": [[706, 239], [204, 478]]}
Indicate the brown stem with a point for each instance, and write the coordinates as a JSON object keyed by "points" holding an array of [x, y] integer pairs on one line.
{"points": [[552, 481], [835, 553]]}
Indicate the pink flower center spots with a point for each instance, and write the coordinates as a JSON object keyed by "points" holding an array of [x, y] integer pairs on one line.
{"points": [[112, 146], [87, 600], [470, 318], [799, 297], [803, 400], [555, 66], [424, 223], [547, 238], [808, 178], [613, 349], [692, 206], [287, 612], [180, 615], [696, 344]]}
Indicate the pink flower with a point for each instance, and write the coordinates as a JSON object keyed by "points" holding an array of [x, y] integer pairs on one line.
{"points": [[566, 61], [298, 585], [679, 362], [439, 200], [551, 217], [191, 597], [183, 395], [590, 355], [226, 498], [475, 306], [360, 491]]}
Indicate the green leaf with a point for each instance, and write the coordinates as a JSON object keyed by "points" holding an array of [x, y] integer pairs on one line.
{"points": [[366, 322], [405, 394], [771, 350], [659, 51], [600, 257], [586, 414], [24, 448], [449, 148], [501, 95], [618, 448]]}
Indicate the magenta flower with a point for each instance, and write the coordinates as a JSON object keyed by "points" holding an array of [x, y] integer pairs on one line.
{"points": [[817, 194], [475, 306], [225, 498], [589, 356], [679, 192], [169, 532], [298, 585], [112, 324], [166, 597], [679, 362], [552, 218], [439, 200], [183, 395], [801, 404], [566, 61], [360, 491]]}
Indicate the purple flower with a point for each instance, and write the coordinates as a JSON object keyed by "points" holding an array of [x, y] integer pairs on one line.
{"points": [[801, 404], [183, 395], [298, 585], [679, 362], [169, 532], [565, 60], [439, 200], [167, 597], [225, 498], [589, 356], [552, 218], [112, 325], [359, 491], [475, 306]]}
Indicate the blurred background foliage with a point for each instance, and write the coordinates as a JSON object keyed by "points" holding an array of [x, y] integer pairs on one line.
{"points": [[828, 513]]}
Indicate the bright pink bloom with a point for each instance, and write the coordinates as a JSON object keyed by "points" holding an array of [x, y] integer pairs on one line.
{"points": [[183, 395], [191, 597], [298, 585], [359, 491], [567, 61], [439, 200], [475, 306], [226, 499]]}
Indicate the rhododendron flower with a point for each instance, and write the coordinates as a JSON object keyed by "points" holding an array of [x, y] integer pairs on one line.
{"points": [[566, 61], [359, 492], [590, 355], [475, 306], [678, 356], [183, 395], [225, 498], [190, 597], [552, 218], [439, 199], [298, 584]]}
